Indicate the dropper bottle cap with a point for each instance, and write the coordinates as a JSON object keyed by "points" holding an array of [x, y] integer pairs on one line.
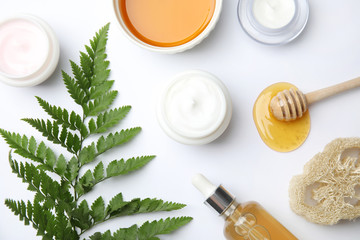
{"points": [[217, 198]]}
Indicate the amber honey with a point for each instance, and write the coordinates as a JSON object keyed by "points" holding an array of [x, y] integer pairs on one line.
{"points": [[250, 221], [166, 23], [279, 135]]}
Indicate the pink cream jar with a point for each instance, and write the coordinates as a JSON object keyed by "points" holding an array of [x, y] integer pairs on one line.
{"points": [[29, 51]]}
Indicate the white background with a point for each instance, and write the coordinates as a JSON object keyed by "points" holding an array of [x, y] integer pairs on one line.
{"points": [[326, 53]]}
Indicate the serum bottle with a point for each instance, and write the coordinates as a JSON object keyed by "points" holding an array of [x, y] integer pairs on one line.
{"points": [[243, 221]]}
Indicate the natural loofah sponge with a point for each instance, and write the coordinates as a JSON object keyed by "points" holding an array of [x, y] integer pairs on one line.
{"points": [[329, 188]]}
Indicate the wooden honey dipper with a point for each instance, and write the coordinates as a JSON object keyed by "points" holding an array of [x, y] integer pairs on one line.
{"points": [[291, 104]]}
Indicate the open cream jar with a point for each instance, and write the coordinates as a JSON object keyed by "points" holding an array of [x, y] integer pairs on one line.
{"points": [[29, 50], [273, 22], [167, 26], [195, 108]]}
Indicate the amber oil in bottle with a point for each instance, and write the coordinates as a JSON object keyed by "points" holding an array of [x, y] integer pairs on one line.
{"points": [[244, 221]]}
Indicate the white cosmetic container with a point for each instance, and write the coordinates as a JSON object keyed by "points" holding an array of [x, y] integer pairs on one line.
{"points": [[195, 108], [273, 22], [29, 51]]}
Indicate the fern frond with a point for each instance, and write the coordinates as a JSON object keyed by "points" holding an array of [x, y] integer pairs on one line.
{"points": [[72, 169], [80, 96], [115, 139], [45, 221], [21, 209], [99, 104], [115, 168], [98, 210], [151, 229], [82, 81], [24, 146], [61, 116], [101, 89], [101, 73], [63, 228], [106, 120], [55, 212], [86, 65], [121, 167], [50, 130], [87, 154], [90, 52], [148, 231], [117, 207], [130, 233], [156, 205], [85, 183], [80, 216], [127, 233], [38, 181]]}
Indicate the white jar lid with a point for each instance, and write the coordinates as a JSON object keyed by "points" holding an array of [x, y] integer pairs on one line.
{"points": [[29, 50], [175, 49], [195, 108]]}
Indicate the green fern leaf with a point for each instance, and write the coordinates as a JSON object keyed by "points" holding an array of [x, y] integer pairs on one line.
{"points": [[21, 209], [100, 65], [108, 119], [104, 236], [72, 169], [118, 207], [50, 130], [112, 140], [61, 116], [90, 52], [99, 172], [128, 208], [115, 204], [150, 229], [44, 220], [99, 90], [121, 167], [126, 233], [15, 141], [100, 104], [80, 97], [81, 216], [82, 81], [155, 205], [63, 228], [85, 183], [86, 65], [87, 154], [55, 211], [61, 165], [98, 210]]}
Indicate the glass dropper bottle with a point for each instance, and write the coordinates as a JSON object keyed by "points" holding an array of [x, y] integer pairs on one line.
{"points": [[243, 221]]}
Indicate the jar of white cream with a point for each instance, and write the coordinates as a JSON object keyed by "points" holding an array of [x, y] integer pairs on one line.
{"points": [[273, 22], [29, 51], [195, 108]]}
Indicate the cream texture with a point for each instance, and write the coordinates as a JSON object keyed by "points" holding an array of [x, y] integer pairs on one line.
{"points": [[273, 13], [24, 47], [195, 106]]}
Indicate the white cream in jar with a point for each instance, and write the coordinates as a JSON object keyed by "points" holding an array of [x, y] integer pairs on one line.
{"points": [[274, 13], [29, 50], [195, 108], [273, 22]]}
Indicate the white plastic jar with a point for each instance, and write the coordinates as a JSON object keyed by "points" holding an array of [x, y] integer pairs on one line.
{"points": [[195, 108], [29, 50]]}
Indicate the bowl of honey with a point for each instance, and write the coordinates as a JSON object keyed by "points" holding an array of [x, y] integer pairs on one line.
{"points": [[167, 26]]}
